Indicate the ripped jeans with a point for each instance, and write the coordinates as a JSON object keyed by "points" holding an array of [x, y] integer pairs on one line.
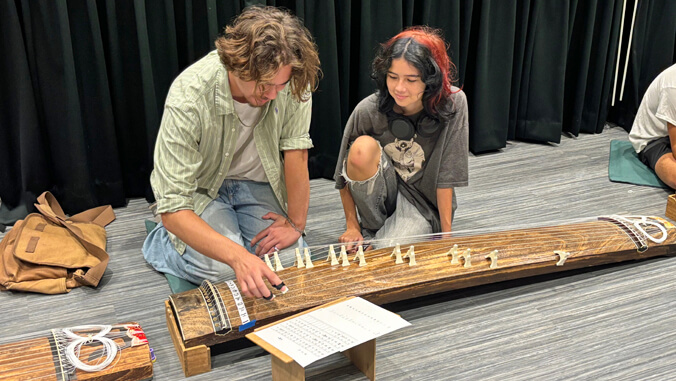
{"points": [[384, 213]]}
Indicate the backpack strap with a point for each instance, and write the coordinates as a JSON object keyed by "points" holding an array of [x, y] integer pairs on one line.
{"points": [[102, 216]]}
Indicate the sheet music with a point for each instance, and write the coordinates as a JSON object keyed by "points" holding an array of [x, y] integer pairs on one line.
{"points": [[320, 333]]}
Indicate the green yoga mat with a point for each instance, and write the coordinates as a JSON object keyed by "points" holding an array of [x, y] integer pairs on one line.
{"points": [[179, 285], [624, 166], [175, 283]]}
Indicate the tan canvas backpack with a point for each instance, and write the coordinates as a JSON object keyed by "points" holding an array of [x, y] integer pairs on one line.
{"points": [[51, 253]]}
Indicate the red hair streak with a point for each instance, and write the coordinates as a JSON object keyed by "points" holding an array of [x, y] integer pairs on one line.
{"points": [[429, 38]]}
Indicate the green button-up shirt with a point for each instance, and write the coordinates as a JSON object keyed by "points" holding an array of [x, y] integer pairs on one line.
{"points": [[198, 133]]}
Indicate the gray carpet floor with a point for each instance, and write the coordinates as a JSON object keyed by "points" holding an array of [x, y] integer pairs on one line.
{"points": [[611, 322]]}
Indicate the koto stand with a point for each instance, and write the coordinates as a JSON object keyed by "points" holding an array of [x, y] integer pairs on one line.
{"points": [[363, 356]]}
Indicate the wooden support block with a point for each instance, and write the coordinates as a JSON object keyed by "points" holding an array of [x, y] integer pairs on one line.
{"points": [[671, 207], [363, 356], [283, 366], [194, 360], [286, 371]]}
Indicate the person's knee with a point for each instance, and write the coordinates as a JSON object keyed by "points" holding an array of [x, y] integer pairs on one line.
{"points": [[666, 170], [221, 272], [669, 179], [157, 248], [211, 270], [363, 158], [196, 267]]}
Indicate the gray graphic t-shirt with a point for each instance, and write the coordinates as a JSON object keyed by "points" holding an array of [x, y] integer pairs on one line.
{"points": [[422, 163]]}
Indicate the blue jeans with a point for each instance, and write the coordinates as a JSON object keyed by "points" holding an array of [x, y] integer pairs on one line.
{"points": [[384, 213], [236, 214]]}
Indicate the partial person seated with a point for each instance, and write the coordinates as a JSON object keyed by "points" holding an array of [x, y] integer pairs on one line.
{"points": [[653, 133]]}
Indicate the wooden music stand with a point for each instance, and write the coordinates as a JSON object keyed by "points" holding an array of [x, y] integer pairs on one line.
{"points": [[363, 356]]}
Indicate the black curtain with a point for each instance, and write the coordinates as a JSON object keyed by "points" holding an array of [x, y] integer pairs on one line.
{"points": [[652, 50], [83, 82]]}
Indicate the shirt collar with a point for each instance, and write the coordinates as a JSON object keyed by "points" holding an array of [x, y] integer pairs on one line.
{"points": [[223, 95]]}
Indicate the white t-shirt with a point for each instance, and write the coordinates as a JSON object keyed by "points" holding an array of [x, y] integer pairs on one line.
{"points": [[246, 164], [658, 107]]}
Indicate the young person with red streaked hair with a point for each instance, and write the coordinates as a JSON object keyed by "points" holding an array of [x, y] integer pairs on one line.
{"points": [[405, 147]]}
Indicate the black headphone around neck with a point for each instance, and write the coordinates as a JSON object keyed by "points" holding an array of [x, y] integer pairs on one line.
{"points": [[403, 128]]}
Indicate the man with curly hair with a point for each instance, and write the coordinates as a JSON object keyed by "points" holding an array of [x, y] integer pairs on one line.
{"points": [[230, 177]]}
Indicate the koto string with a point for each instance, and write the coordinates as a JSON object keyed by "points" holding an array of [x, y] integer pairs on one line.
{"points": [[8, 342], [41, 335], [608, 228], [28, 355], [530, 235], [324, 248], [349, 281], [502, 253], [67, 344], [54, 366], [67, 364], [420, 259], [321, 249], [460, 244], [19, 344], [464, 233]]}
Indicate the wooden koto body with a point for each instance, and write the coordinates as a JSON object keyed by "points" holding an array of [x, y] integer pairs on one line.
{"points": [[38, 358], [212, 318]]}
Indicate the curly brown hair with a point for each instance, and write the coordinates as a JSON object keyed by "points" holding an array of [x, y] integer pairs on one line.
{"points": [[263, 39]]}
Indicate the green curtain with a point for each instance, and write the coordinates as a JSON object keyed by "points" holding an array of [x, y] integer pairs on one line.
{"points": [[83, 82]]}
